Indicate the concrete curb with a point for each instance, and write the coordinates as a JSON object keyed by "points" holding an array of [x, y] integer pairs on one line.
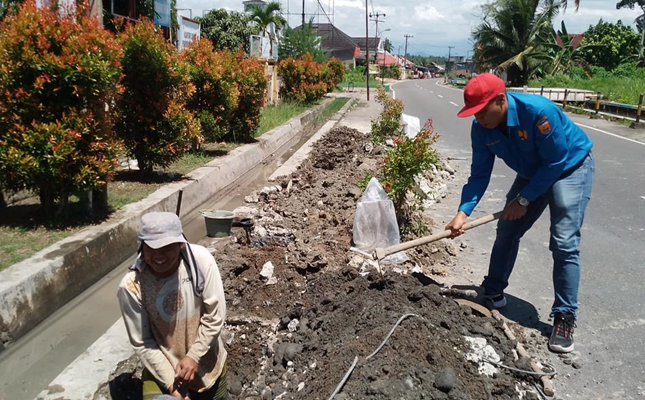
{"points": [[83, 377], [33, 289], [113, 347]]}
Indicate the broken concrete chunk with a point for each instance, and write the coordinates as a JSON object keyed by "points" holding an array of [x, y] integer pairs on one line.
{"points": [[252, 198], [293, 325], [267, 271]]}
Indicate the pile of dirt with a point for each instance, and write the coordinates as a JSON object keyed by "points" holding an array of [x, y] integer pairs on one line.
{"points": [[301, 306]]}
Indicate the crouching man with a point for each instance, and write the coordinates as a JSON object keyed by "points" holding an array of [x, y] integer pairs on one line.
{"points": [[172, 301]]}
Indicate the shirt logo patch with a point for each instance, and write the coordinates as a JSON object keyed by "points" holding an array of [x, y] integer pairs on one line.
{"points": [[524, 135], [544, 126]]}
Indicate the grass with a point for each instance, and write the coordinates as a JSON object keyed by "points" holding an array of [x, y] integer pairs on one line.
{"points": [[273, 116], [331, 109], [361, 83], [618, 89], [23, 233]]}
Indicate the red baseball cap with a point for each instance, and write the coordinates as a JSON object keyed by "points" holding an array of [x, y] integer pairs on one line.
{"points": [[479, 91]]}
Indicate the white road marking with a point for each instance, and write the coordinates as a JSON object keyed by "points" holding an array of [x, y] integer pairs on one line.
{"points": [[394, 95], [454, 104], [440, 96], [611, 134]]}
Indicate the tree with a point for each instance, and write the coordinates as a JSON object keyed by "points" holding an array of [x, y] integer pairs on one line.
{"points": [[227, 29], [509, 37], [58, 73], [565, 3], [387, 45], [263, 18], [8, 7], [562, 51], [304, 39], [640, 21], [620, 43]]}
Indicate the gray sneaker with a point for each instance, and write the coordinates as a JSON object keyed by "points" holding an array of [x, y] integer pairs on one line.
{"points": [[561, 340]]}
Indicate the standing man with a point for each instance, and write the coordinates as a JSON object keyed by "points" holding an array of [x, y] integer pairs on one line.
{"points": [[172, 301], [555, 168]]}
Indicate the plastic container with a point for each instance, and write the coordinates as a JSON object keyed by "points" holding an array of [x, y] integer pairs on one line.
{"points": [[218, 222]]}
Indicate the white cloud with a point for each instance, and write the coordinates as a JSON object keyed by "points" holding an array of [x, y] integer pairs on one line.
{"points": [[434, 24], [427, 13]]}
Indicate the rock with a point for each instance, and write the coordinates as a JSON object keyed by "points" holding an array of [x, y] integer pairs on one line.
{"points": [[301, 386], [286, 352], [577, 364], [267, 394], [408, 383], [341, 396], [447, 167], [445, 380], [445, 324], [252, 198], [486, 329], [463, 245], [267, 271], [284, 321], [235, 385], [259, 231], [567, 361], [450, 249], [293, 325], [389, 143], [434, 249], [289, 185], [368, 147]]}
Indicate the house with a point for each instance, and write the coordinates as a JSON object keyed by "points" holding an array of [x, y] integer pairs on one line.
{"points": [[375, 45], [337, 43]]}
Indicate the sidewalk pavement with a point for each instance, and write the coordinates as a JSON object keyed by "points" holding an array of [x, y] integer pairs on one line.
{"points": [[102, 357]]}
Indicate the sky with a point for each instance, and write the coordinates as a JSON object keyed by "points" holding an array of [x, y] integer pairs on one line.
{"points": [[434, 24]]}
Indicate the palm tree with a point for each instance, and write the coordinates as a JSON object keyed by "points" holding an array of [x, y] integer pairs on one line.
{"points": [[509, 36], [563, 4], [264, 17]]}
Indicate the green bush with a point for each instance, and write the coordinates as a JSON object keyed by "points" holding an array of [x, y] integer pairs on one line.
{"points": [[215, 97], [154, 122], [304, 80], [251, 82], [58, 73], [388, 123]]}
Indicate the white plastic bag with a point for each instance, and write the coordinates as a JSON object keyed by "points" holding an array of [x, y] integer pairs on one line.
{"points": [[375, 224], [412, 125]]}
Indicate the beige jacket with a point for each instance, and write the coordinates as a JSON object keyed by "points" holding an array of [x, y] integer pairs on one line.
{"points": [[166, 321]]}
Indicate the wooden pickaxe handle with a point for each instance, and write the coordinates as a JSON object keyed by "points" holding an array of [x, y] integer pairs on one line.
{"points": [[381, 253]]}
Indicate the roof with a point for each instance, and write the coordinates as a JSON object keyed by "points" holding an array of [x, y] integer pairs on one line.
{"points": [[332, 38], [373, 42], [386, 59]]}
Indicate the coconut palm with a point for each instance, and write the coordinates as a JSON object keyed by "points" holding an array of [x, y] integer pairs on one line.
{"points": [[564, 4], [264, 17], [509, 36]]}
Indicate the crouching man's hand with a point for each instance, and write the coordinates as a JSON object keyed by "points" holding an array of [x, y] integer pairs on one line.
{"points": [[457, 223], [185, 372]]}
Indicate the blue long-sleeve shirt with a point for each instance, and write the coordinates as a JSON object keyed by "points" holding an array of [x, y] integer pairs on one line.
{"points": [[540, 145]]}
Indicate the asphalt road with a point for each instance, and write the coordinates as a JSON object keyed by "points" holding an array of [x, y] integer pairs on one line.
{"points": [[611, 328]]}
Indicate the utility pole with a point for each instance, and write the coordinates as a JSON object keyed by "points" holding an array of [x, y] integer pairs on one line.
{"points": [[375, 16], [367, 51], [303, 13], [450, 48], [406, 47], [399, 51]]}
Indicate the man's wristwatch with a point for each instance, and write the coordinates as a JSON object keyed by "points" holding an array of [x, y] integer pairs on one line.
{"points": [[523, 201]]}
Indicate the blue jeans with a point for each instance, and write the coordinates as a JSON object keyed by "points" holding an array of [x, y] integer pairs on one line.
{"points": [[567, 200]]}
